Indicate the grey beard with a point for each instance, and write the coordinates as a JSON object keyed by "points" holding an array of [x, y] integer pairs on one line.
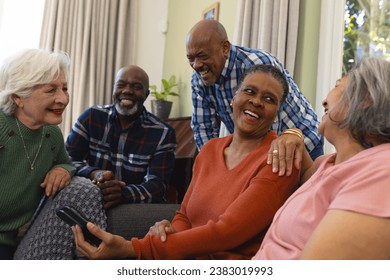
{"points": [[127, 112]]}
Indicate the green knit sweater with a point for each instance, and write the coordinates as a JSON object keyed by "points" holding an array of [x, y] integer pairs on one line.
{"points": [[20, 190]]}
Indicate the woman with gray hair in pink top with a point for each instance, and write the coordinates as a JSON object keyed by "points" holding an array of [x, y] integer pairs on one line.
{"points": [[342, 211]]}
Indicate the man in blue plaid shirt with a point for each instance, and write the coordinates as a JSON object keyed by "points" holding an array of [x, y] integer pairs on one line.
{"points": [[218, 66], [128, 152]]}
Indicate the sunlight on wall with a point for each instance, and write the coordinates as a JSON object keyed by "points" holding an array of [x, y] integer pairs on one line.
{"points": [[20, 25]]}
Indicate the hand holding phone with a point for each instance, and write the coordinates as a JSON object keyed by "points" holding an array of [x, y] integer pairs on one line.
{"points": [[73, 217]]}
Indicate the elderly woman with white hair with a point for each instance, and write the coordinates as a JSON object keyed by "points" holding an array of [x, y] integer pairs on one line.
{"points": [[33, 159]]}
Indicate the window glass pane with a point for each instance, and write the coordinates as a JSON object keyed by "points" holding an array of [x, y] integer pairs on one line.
{"points": [[366, 30], [20, 25]]}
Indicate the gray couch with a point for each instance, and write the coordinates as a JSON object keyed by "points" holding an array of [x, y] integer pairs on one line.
{"points": [[134, 220]]}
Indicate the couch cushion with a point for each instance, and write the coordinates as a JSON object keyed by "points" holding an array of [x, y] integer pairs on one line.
{"points": [[134, 220]]}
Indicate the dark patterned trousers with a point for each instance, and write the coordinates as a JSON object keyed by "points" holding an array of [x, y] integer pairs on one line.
{"points": [[49, 238]]}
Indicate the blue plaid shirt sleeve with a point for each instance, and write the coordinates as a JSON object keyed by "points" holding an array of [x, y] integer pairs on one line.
{"points": [[78, 145], [297, 112]]}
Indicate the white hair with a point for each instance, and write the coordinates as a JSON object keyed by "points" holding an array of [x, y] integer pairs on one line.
{"points": [[20, 73]]}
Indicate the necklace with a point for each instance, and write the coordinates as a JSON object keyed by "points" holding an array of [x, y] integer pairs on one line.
{"points": [[25, 148]]}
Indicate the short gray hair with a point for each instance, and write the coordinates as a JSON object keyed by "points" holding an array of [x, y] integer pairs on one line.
{"points": [[367, 98], [20, 73]]}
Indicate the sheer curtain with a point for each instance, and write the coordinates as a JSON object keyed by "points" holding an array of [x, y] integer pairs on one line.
{"points": [[271, 25], [99, 36]]}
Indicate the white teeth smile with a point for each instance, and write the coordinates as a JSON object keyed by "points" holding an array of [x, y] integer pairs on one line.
{"points": [[127, 102], [251, 114], [204, 73]]}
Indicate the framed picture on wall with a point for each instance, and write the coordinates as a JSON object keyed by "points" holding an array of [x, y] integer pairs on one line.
{"points": [[211, 12]]}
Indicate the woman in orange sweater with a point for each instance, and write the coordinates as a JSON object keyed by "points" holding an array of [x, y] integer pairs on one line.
{"points": [[233, 194]]}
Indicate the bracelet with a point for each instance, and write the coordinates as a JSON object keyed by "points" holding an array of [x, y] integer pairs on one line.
{"points": [[293, 131], [297, 130]]}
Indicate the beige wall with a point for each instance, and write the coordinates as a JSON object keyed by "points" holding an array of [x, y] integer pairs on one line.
{"points": [[151, 39], [183, 14], [305, 74]]}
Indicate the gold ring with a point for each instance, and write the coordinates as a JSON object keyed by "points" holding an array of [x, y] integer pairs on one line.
{"points": [[275, 152]]}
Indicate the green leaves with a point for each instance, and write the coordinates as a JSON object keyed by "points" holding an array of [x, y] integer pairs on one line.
{"points": [[166, 89]]}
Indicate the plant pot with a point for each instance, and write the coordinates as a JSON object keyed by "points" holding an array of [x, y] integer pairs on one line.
{"points": [[161, 108]]}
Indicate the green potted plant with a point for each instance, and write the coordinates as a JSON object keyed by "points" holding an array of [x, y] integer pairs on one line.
{"points": [[161, 107]]}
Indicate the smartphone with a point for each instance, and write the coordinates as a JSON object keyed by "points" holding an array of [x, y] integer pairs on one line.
{"points": [[73, 217]]}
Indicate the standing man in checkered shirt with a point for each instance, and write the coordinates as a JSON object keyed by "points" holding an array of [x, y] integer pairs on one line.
{"points": [[218, 66]]}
